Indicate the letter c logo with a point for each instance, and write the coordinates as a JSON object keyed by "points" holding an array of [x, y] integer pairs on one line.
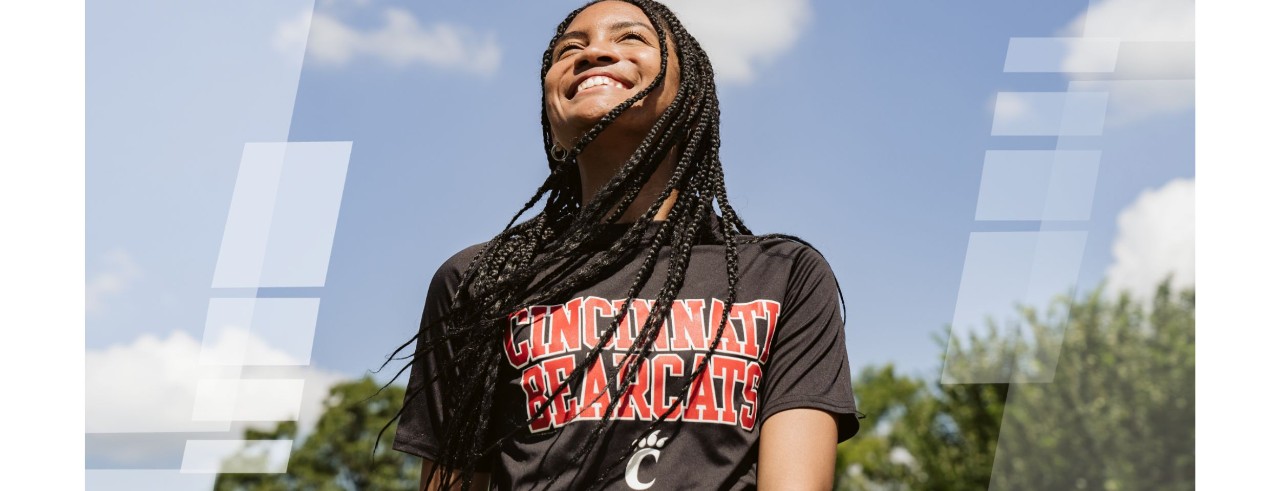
{"points": [[633, 468]]}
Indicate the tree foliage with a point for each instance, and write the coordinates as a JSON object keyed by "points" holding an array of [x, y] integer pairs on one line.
{"points": [[1103, 398], [338, 454]]}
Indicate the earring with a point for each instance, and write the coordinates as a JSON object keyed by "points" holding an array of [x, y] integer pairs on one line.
{"points": [[558, 153]]}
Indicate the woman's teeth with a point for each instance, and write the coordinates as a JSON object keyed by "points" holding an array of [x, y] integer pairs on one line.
{"points": [[597, 81]]}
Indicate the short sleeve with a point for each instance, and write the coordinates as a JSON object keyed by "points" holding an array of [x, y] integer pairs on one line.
{"points": [[808, 365], [423, 424]]}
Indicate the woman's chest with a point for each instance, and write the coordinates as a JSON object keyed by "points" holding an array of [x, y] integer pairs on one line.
{"points": [[593, 357]]}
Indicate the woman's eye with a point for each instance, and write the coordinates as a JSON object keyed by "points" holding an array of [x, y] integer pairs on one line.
{"points": [[566, 49]]}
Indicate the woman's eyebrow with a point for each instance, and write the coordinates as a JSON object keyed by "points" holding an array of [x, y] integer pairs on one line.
{"points": [[617, 26], [571, 35]]}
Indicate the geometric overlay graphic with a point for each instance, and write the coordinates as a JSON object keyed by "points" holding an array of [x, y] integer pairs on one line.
{"points": [[250, 456], [145, 479], [172, 100], [280, 227], [265, 400], [1037, 185], [259, 331], [1004, 269], [1121, 71], [1001, 268], [1045, 54], [1049, 113], [279, 233]]}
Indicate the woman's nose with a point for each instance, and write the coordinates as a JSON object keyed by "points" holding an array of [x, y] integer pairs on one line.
{"points": [[598, 53]]}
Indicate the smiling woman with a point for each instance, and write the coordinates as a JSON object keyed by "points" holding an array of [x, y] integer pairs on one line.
{"points": [[552, 356]]}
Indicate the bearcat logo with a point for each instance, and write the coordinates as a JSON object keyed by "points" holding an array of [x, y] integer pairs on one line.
{"points": [[545, 343], [645, 448]]}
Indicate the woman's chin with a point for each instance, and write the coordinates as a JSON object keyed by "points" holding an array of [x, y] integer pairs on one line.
{"points": [[634, 121]]}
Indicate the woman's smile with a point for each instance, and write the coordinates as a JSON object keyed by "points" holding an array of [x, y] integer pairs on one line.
{"points": [[599, 82]]}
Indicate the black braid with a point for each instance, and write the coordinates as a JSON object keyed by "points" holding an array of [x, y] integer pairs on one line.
{"points": [[546, 257]]}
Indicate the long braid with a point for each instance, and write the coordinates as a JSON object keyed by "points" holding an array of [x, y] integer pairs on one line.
{"points": [[682, 246], [545, 258]]}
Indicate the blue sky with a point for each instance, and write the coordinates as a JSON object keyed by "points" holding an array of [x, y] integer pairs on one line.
{"points": [[861, 127]]}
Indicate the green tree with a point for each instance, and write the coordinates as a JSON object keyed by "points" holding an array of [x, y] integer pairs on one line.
{"points": [[338, 454], [865, 460], [1115, 409], [1120, 412], [921, 437]]}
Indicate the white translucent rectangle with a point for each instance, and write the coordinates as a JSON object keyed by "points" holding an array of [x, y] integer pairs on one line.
{"points": [[306, 214], [1072, 185], [997, 268], [1049, 113], [283, 215], [1003, 270], [248, 400], [1037, 185], [1014, 184], [1056, 267], [1062, 54], [146, 479], [259, 331], [148, 387], [244, 239], [1139, 100], [236, 456]]}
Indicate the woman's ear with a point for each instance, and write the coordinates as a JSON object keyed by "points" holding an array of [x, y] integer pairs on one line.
{"points": [[555, 139]]}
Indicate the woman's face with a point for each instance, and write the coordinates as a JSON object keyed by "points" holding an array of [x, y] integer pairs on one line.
{"points": [[608, 53]]}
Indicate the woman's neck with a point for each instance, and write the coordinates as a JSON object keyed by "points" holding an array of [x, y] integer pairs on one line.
{"points": [[601, 160]]}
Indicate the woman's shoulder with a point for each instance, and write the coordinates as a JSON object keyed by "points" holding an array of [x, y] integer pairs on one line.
{"points": [[453, 267], [771, 244], [779, 245]]}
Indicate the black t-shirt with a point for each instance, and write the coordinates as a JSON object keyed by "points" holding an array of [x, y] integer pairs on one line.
{"points": [[783, 348]]}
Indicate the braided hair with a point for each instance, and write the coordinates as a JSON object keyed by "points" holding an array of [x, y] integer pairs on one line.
{"points": [[549, 256]]}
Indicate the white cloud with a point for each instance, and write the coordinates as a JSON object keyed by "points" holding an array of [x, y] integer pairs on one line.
{"points": [[1136, 20], [150, 385], [116, 272], [1155, 237], [401, 41], [1130, 101], [1156, 42], [740, 36]]}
